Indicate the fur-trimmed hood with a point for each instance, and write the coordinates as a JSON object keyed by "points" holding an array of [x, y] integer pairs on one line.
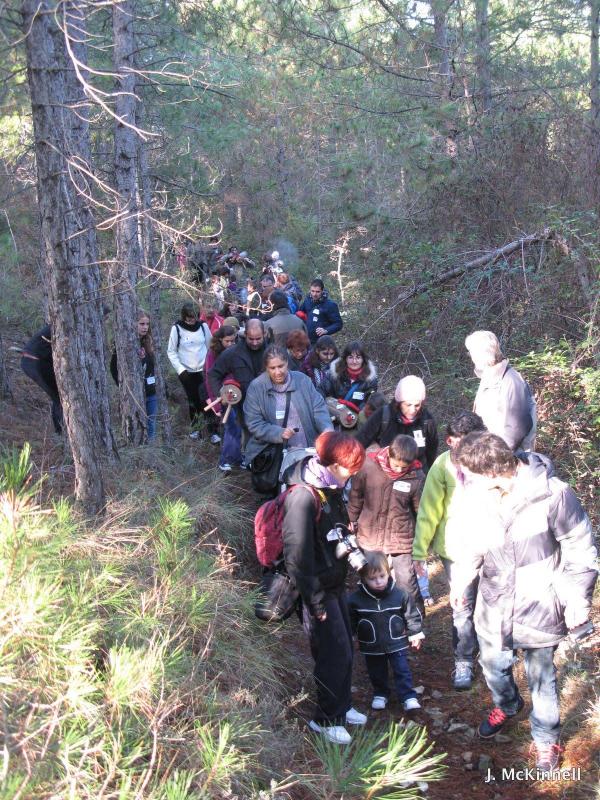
{"points": [[370, 377]]}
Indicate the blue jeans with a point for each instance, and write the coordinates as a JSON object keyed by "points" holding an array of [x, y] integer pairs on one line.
{"points": [[151, 411], [377, 667], [497, 668], [464, 638], [231, 447]]}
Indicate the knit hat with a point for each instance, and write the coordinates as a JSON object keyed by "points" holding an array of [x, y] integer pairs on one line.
{"points": [[410, 387], [233, 321]]}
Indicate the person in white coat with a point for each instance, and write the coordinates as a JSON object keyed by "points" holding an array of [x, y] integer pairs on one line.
{"points": [[188, 345]]}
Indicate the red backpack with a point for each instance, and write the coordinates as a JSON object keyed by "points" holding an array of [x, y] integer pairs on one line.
{"points": [[268, 526]]}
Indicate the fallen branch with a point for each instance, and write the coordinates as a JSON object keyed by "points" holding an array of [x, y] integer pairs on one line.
{"points": [[483, 261]]}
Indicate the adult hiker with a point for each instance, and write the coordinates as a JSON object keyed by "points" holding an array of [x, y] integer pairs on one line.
{"points": [[36, 363], [243, 362], [438, 509], [282, 406], [297, 344], [210, 313], [352, 376], [189, 341], [407, 414], [504, 400], [146, 355], [383, 503], [311, 513], [534, 551], [282, 322], [317, 362], [322, 314]]}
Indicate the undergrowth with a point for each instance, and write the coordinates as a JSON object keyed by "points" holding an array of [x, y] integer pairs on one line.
{"points": [[131, 664]]}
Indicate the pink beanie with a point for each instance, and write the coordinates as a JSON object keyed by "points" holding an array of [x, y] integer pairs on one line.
{"points": [[410, 387]]}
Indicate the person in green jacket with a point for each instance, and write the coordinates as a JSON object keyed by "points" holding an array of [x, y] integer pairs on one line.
{"points": [[430, 534]]}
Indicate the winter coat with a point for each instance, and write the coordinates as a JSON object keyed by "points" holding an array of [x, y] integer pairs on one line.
{"points": [[146, 364], [384, 508], [281, 324], [309, 557], [536, 556], [324, 314], [40, 346], [339, 386], [506, 405], [385, 424], [260, 416], [188, 346], [383, 622], [214, 323], [239, 361]]}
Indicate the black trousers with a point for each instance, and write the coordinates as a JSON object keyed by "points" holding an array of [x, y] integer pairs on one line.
{"points": [[331, 648], [195, 391], [44, 377]]}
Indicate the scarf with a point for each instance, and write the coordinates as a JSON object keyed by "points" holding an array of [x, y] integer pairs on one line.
{"points": [[315, 474], [382, 457], [354, 374]]}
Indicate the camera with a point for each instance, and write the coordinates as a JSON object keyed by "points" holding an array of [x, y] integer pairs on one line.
{"points": [[347, 546]]}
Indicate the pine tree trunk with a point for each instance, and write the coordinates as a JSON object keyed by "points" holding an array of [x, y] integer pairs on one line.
{"points": [[64, 225], [482, 59], [128, 259], [164, 418], [444, 74], [595, 101]]}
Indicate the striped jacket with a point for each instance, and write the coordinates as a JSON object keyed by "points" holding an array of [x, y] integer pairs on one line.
{"points": [[538, 562]]}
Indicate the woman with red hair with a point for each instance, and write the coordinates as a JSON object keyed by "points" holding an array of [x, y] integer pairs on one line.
{"points": [[310, 557]]}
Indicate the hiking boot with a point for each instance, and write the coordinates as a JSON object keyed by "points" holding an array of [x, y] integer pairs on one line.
{"points": [[495, 720], [379, 702], [547, 755], [215, 438], [335, 733], [462, 677], [354, 717], [411, 704]]}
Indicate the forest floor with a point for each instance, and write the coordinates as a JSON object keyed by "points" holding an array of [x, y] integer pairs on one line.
{"points": [[450, 717]]}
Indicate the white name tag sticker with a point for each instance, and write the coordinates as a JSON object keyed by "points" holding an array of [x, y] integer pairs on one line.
{"points": [[358, 396], [280, 413], [333, 535], [419, 438], [316, 311], [151, 380], [401, 486]]}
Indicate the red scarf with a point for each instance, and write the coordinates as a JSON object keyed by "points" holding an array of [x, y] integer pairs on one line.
{"points": [[354, 374], [382, 457]]}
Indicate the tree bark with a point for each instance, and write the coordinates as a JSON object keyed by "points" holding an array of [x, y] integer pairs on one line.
{"points": [[65, 224], [5, 391], [128, 257], [482, 58], [595, 100], [444, 73], [164, 418]]}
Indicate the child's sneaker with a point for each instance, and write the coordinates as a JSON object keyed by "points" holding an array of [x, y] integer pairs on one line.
{"points": [[335, 733], [379, 702], [495, 720], [412, 704], [354, 717]]}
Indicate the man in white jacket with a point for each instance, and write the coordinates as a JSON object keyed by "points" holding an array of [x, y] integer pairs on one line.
{"points": [[188, 345]]}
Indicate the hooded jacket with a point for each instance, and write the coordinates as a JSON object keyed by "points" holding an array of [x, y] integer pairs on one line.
{"points": [[506, 405], [324, 314], [536, 556], [383, 622], [309, 557], [339, 386], [385, 424], [384, 508]]}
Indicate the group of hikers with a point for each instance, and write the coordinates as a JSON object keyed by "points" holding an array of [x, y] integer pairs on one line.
{"points": [[358, 480]]}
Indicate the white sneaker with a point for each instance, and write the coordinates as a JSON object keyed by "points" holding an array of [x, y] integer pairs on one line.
{"points": [[379, 702], [215, 438], [225, 467], [335, 733], [411, 704], [195, 435], [354, 717]]}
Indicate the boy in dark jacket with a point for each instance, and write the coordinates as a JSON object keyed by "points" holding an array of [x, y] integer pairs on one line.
{"points": [[385, 621]]}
